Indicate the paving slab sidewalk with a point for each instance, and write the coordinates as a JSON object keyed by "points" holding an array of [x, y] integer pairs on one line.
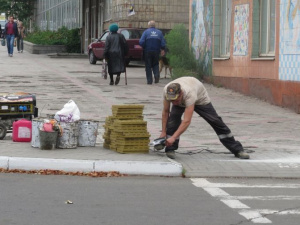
{"points": [[269, 133]]}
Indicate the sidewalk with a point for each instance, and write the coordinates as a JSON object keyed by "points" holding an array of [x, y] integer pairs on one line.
{"points": [[270, 134]]}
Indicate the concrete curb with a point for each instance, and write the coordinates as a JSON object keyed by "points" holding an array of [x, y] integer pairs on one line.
{"points": [[67, 165], [71, 165], [140, 167], [68, 55], [4, 162]]}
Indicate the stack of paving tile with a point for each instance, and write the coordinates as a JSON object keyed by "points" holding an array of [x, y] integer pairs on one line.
{"points": [[125, 131], [108, 128]]}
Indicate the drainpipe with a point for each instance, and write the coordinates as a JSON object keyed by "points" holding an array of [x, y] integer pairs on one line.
{"points": [[101, 17]]}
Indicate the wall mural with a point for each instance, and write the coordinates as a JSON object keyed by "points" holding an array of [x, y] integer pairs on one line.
{"points": [[241, 29], [289, 53], [291, 14], [201, 34]]}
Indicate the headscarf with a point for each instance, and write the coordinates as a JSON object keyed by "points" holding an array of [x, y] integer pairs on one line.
{"points": [[113, 27]]}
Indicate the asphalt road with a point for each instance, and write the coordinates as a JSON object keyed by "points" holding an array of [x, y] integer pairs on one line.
{"points": [[37, 199]]}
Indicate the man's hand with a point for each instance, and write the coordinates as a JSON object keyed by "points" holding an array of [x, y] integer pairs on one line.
{"points": [[163, 134], [170, 141]]}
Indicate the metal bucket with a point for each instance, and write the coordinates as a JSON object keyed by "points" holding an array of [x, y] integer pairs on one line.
{"points": [[35, 140], [48, 140], [69, 138], [88, 131]]}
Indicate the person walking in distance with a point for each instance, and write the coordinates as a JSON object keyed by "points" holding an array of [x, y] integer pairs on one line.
{"points": [[188, 94], [116, 49], [21, 35], [11, 32], [153, 43]]}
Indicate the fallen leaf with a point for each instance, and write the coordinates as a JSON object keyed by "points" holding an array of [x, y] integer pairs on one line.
{"points": [[68, 202]]}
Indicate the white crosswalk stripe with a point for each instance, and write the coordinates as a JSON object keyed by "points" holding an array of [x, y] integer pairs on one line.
{"points": [[201, 182], [234, 202], [262, 198]]}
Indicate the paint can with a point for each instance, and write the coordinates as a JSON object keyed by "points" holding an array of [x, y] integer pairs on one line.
{"points": [[69, 138], [88, 131], [36, 124]]}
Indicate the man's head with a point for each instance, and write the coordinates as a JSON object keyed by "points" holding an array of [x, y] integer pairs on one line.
{"points": [[173, 91], [11, 19], [151, 23]]}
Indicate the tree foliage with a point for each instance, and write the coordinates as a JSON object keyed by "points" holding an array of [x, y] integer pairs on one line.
{"points": [[20, 9], [180, 55]]}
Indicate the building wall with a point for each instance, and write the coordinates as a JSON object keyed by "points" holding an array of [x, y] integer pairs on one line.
{"points": [[274, 79], [94, 16], [289, 65], [166, 13]]}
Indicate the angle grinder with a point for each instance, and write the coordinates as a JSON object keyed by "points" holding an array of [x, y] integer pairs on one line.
{"points": [[159, 143]]}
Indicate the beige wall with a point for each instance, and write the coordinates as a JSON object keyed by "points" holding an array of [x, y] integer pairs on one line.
{"points": [[166, 13], [244, 66]]}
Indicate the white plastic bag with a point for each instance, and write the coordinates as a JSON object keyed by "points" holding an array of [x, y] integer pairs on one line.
{"points": [[69, 113]]}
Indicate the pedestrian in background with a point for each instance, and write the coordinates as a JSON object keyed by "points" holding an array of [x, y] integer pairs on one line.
{"points": [[11, 32], [188, 94], [116, 49], [153, 43], [21, 35]]}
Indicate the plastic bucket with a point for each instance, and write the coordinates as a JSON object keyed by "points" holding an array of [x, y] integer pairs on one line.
{"points": [[48, 140], [88, 131]]}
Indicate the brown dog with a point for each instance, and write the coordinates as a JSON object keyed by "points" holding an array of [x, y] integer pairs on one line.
{"points": [[164, 62]]}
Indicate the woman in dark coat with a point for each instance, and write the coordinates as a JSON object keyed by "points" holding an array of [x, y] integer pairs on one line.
{"points": [[115, 50]]}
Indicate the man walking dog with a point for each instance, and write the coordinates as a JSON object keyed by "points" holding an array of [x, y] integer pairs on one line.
{"points": [[153, 43], [188, 94]]}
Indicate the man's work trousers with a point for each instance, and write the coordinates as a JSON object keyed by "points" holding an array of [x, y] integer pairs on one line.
{"points": [[151, 64], [209, 114]]}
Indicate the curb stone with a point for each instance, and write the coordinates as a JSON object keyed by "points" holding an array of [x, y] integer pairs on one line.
{"points": [[4, 162], [72, 165], [140, 167]]}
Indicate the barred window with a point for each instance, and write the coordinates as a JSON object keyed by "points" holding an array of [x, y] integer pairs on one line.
{"points": [[267, 27]]}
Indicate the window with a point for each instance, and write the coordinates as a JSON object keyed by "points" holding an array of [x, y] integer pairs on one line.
{"points": [[222, 28], [267, 28], [132, 34], [126, 34], [225, 22], [104, 36], [53, 14]]}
